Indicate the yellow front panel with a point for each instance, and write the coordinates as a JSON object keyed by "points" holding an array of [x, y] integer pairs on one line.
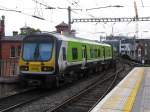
{"points": [[35, 67]]}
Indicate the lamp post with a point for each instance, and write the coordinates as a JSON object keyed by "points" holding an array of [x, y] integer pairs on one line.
{"points": [[112, 29]]}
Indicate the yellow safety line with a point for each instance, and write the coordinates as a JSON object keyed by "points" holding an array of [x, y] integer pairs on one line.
{"points": [[130, 100]]}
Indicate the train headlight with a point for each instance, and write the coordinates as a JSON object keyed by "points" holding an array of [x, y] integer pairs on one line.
{"points": [[46, 68], [24, 68]]}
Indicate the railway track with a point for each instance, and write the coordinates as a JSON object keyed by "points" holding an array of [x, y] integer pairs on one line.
{"points": [[26, 96], [16, 100], [78, 103], [85, 100]]}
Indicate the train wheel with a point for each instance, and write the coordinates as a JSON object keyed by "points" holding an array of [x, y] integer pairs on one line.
{"points": [[81, 75], [100, 69], [22, 83], [49, 82], [86, 73], [57, 82], [74, 76]]}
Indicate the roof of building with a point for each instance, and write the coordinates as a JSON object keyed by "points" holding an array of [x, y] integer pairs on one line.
{"points": [[25, 27], [112, 41], [13, 38], [116, 37], [62, 24]]}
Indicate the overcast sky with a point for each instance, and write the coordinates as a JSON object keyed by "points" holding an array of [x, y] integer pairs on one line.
{"points": [[14, 20]]}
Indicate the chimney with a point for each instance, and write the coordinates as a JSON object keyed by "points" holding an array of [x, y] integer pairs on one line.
{"points": [[2, 27], [2, 33], [62, 27], [15, 33]]}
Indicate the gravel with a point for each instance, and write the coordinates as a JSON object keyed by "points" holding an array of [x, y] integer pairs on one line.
{"points": [[56, 98]]}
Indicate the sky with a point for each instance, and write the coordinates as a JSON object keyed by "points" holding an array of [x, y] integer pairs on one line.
{"points": [[14, 20]]}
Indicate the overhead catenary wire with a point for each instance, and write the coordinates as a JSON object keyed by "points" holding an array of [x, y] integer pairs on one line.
{"points": [[38, 13], [45, 5], [74, 10], [12, 10], [21, 12], [117, 6], [77, 4]]}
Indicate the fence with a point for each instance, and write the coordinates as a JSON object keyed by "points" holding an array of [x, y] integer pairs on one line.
{"points": [[9, 67]]}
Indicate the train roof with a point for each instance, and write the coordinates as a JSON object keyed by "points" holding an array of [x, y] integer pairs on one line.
{"points": [[77, 39], [71, 38]]}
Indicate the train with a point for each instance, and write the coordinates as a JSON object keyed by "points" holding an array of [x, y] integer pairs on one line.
{"points": [[51, 58]]}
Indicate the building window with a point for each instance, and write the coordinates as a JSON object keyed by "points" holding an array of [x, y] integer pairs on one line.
{"points": [[18, 50], [145, 51], [12, 52], [139, 52], [64, 53], [74, 53], [123, 46], [122, 52]]}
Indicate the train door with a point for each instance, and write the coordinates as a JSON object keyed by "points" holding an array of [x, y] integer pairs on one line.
{"points": [[104, 53], [84, 56], [63, 62]]}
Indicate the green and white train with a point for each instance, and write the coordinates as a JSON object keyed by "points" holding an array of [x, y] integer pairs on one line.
{"points": [[52, 57]]}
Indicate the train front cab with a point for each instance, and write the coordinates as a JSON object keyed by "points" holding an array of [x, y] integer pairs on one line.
{"points": [[37, 60]]}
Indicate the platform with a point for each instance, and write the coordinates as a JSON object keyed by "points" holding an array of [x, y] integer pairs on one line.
{"points": [[9, 79], [132, 94]]}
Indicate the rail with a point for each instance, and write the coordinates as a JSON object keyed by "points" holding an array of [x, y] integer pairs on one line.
{"points": [[82, 93], [16, 100]]}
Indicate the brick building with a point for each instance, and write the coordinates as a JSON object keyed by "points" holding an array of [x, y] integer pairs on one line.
{"points": [[10, 47], [136, 49], [9, 51], [143, 50]]}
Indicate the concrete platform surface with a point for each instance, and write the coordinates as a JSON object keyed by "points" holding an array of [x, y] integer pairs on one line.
{"points": [[9, 79], [132, 94]]}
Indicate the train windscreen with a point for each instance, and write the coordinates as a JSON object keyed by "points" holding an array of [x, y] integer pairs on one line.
{"points": [[37, 51]]}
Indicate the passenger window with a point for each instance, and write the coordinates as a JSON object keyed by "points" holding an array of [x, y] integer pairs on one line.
{"points": [[99, 53], [95, 52], [92, 53], [64, 53], [74, 53]]}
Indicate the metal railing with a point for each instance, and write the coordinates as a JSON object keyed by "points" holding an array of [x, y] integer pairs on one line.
{"points": [[9, 67]]}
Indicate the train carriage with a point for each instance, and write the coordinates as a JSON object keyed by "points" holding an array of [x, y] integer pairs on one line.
{"points": [[51, 57]]}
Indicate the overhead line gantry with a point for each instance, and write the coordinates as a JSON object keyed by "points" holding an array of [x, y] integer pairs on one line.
{"points": [[123, 19]]}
